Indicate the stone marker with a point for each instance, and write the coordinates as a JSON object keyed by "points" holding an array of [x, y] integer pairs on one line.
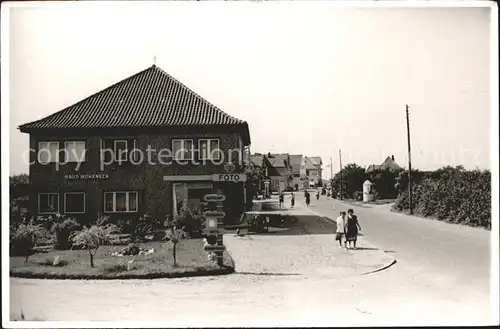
{"points": [[56, 261], [130, 265]]}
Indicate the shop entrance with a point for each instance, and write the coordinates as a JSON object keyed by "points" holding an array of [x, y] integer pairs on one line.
{"points": [[190, 194]]}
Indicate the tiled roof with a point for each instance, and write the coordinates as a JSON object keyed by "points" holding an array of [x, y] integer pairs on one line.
{"points": [[388, 163], [316, 160], [279, 160], [150, 98], [296, 161], [309, 164], [257, 159]]}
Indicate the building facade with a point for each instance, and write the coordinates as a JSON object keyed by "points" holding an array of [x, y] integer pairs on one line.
{"points": [[282, 178], [311, 171], [147, 144]]}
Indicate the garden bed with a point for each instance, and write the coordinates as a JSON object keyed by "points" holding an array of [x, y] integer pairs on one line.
{"points": [[75, 264]]}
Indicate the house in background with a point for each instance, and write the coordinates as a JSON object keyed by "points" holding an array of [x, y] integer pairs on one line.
{"points": [[388, 164], [282, 178], [296, 162], [149, 109], [260, 161], [311, 170]]}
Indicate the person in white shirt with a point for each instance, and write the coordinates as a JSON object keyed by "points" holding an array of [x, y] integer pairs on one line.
{"points": [[341, 229]]}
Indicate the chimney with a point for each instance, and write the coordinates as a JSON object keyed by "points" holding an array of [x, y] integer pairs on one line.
{"points": [[268, 154], [392, 158]]}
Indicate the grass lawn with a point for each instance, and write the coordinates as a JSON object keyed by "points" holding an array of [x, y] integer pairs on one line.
{"points": [[75, 264]]}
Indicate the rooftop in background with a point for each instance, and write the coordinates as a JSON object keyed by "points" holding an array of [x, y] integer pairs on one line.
{"points": [[316, 160], [150, 98], [279, 160], [296, 161], [388, 164]]}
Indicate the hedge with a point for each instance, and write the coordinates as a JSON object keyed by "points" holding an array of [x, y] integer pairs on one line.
{"points": [[453, 195]]}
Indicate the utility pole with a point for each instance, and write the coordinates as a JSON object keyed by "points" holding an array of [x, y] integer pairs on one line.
{"points": [[341, 183], [331, 169], [409, 159]]}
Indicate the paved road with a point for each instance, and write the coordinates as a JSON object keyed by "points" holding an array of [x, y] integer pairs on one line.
{"points": [[423, 288], [455, 258]]}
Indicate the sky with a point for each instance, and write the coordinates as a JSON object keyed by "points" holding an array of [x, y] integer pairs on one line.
{"points": [[309, 79]]}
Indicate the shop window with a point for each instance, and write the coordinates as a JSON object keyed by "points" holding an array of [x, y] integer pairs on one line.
{"points": [[48, 203], [74, 203]]}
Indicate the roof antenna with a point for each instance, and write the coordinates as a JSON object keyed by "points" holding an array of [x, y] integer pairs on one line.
{"points": [[154, 60]]}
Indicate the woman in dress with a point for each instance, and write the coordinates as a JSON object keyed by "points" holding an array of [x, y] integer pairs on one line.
{"points": [[352, 228], [293, 200], [308, 198]]}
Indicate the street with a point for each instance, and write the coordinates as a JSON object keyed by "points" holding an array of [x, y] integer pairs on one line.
{"points": [[440, 278], [456, 254]]}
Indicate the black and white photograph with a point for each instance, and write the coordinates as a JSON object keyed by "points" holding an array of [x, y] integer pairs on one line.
{"points": [[249, 163]]}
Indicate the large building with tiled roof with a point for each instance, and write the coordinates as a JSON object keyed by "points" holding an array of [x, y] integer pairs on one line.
{"points": [[146, 144]]}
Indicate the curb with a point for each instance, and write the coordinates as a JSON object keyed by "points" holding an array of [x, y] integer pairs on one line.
{"points": [[196, 272], [173, 275]]}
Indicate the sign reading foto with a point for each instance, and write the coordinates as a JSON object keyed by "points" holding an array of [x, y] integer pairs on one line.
{"points": [[86, 176], [229, 178]]}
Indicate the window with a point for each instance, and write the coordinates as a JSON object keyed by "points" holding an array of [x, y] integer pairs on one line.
{"points": [[48, 203], [118, 150], [209, 149], [120, 202], [74, 203], [121, 150], [48, 152], [182, 149], [75, 151]]}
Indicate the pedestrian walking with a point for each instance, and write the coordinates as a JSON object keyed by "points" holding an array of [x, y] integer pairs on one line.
{"points": [[341, 229], [352, 228], [317, 195], [308, 198], [281, 198], [293, 200]]}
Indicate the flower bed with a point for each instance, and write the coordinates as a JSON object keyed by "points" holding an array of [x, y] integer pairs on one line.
{"points": [[74, 264]]}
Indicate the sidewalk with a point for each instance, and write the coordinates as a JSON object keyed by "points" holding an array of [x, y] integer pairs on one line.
{"points": [[308, 249]]}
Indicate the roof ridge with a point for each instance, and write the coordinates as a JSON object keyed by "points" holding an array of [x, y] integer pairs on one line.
{"points": [[86, 98]]}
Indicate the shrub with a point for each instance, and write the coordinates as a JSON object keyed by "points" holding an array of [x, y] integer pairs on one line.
{"points": [[190, 221], [147, 225], [62, 231], [453, 195], [24, 238]]}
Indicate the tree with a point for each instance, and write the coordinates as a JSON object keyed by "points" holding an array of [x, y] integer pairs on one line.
{"points": [[353, 177], [92, 238], [175, 235], [384, 181], [24, 238], [255, 177], [19, 186]]}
